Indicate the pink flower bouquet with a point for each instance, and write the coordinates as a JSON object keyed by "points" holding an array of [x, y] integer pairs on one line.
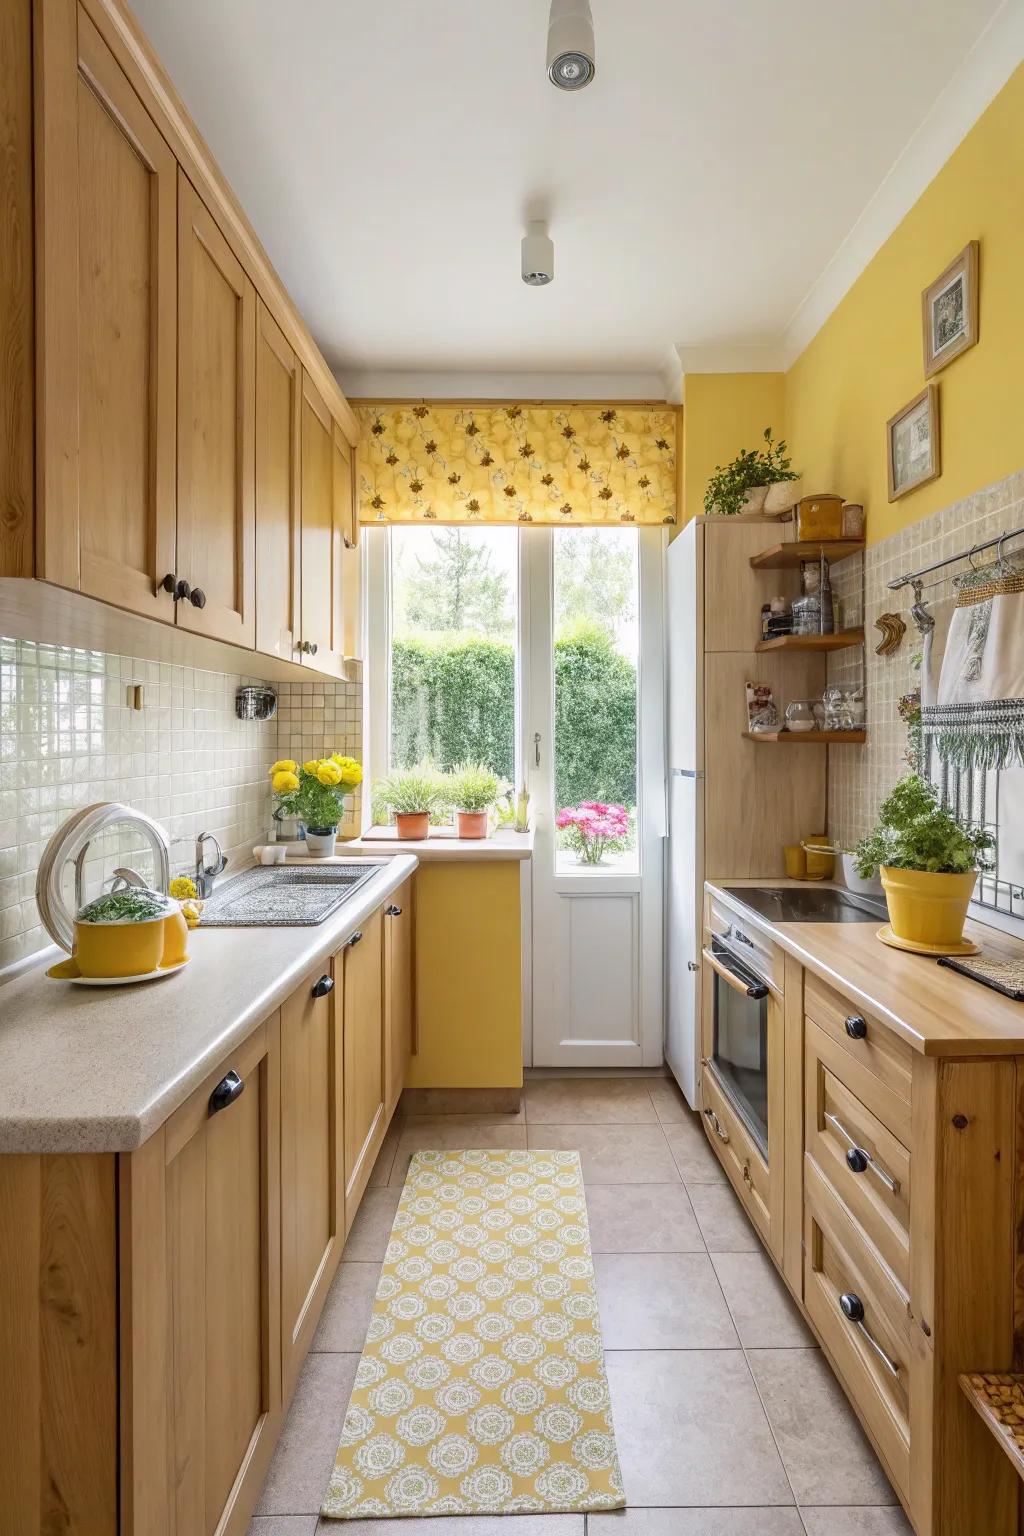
{"points": [[594, 829]]}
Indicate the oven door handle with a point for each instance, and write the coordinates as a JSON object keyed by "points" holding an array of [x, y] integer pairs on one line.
{"points": [[746, 985]]}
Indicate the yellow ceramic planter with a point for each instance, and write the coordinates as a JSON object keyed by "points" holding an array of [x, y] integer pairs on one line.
{"points": [[927, 909], [131, 947]]}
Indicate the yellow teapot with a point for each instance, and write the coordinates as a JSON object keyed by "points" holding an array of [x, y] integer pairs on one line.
{"points": [[129, 931]]}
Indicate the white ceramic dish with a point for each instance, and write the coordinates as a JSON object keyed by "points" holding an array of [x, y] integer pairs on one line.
{"points": [[66, 970]]}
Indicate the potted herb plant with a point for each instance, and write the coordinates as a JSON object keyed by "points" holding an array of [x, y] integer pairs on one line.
{"points": [[473, 789], [316, 794], [745, 483], [411, 795], [928, 862]]}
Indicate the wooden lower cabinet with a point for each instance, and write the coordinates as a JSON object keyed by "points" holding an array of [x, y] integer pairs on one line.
{"points": [[359, 970], [312, 1180], [399, 1003]]}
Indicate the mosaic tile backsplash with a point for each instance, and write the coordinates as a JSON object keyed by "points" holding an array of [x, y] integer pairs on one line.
{"points": [[861, 777], [69, 736]]}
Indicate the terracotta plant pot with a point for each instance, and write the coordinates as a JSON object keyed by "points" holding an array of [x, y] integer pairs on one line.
{"points": [[925, 909], [413, 826], [471, 823]]}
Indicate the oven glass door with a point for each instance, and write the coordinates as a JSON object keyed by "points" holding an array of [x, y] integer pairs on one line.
{"points": [[740, 1041]]}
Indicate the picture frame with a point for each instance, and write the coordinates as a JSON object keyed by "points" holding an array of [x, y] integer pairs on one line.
{"points": [[912, 444], [949, 311]]}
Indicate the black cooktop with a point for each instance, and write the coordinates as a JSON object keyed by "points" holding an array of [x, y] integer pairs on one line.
{"points": [[808, 904]]}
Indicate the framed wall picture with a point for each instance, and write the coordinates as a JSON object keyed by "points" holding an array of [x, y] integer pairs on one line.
{"points": [[913, 443], [950, 311]]}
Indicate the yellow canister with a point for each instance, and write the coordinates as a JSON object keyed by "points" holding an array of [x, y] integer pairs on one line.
{"points": [[129, 932]]}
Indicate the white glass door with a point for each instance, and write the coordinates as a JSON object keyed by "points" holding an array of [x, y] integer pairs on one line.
{"points": [[593, 748]]}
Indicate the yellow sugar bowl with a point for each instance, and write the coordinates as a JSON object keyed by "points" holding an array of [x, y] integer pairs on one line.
{"points": [[129, 931]]}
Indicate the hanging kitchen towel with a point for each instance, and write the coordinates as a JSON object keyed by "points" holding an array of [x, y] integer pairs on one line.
{"points": [[977, 718]]}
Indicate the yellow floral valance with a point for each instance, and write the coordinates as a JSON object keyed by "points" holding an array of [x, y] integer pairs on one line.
{"points": [[557, 464]]}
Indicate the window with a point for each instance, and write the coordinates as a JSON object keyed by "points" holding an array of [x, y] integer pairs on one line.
{"points": [[453, 616]]}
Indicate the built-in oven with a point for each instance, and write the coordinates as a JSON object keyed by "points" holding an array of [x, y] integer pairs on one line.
{"points": [[738, 1049]]}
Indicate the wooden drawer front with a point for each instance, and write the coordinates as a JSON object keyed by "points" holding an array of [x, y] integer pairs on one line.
{"points": [[865, 1164], [737, 1153], [837, 1264], [880, 1063]]}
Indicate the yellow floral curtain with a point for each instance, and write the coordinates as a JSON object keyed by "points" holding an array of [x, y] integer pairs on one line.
{"points": [[517, 463]]}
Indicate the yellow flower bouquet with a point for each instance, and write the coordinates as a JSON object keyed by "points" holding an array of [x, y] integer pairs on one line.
{"points": [[315, 792]]}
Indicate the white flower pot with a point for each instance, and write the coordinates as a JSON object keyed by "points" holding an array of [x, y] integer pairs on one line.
{"points": [[782, 496], [320, 845], [753, 500]]}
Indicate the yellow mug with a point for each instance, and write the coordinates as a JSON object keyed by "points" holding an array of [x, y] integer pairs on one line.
{"points": [[821, 860], [796, 861]]}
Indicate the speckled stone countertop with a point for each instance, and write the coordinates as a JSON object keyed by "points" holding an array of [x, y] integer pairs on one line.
{"points": [[99, 1069]]}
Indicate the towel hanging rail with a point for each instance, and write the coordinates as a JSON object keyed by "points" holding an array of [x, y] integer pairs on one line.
{"points": [[965, 554]]}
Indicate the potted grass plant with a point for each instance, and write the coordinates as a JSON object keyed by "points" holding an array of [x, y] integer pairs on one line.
{"points": [[412, 795], [473, 789], [928, 862], [316, 793]]}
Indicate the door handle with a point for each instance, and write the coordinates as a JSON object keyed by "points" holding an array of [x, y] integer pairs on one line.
{"points": [[852, 1309], [352, 940], [226, 1092], [392, 911], [858, 1158], [536, 749], [756, 990], [716, 1126], [322, 987]]}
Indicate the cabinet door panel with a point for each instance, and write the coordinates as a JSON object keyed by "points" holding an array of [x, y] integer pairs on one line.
{"points": [[398, 992], [365, 1115], [216, 428], [317, 524], [312, 1213], [107, 330], [278, 384]]}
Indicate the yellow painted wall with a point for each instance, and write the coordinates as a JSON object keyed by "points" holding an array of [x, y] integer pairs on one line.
{"points": [[468, 976], [722, 414], [867, 361]]}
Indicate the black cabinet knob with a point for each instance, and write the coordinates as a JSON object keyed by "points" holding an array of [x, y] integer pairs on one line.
{"points": [[182, 590], [197, 597], [857, 1160], [169, 582], [392, 911], [323, 986], [856, 1027], [853, 1307], [226, 1092]]}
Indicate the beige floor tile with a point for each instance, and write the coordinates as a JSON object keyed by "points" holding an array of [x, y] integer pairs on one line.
{"points": [[691, 1430], [304, 1458], [691, 1149], [368, 1239], [588, 1101], [642, 1218], [386, 1156], [662, 1301], [696, 1522], [826, 1455], [722, 1220], [459, 1525], [669, 1104], [856, 1522], [441, 1136], [346, 1315], [765, 1314], [611, 1154], [283, 1525], [469, 1117]]}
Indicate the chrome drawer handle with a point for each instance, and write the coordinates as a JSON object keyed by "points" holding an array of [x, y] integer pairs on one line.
{"points": [[859, 1160], [717, 1126], [852, 1309]]}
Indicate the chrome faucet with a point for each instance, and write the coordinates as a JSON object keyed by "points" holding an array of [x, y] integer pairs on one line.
{"points": [[206, 874]]}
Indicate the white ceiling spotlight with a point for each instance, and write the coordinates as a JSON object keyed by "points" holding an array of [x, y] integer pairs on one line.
{"points": [[538, 255], [571, 63]]}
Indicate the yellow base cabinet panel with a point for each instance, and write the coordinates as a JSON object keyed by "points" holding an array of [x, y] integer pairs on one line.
{"points": [[399, 1003], [468, 970], [359, 972]]}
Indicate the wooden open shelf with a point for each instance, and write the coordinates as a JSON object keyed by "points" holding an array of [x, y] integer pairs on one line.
{"points": [[838, 642], [785, 557], [810, 738], [998, 1398]]}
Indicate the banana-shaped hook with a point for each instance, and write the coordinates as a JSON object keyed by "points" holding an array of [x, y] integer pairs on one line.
{"points": [[893, 629]]}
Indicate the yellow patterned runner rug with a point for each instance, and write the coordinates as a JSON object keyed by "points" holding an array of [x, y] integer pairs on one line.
{"points": [[481, 1388]]}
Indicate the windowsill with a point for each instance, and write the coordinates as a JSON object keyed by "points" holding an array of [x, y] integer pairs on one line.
{"points": [[383, 842]]}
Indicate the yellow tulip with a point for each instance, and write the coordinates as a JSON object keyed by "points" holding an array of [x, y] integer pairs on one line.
{"points": [[285, 782], [329, 773], [284, 765]]}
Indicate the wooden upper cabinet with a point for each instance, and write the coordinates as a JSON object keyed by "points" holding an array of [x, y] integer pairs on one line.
{"points": [[106, 199], [359, 970], [216, 429], [326, 513], [278, 458]]}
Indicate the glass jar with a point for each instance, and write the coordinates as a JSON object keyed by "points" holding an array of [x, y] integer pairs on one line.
{"points": [[800, 715], [806, 612], [839, 715]]}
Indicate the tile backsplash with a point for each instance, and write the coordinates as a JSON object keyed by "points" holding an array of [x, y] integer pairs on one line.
{"points": [[861, 777], [70, 736]]}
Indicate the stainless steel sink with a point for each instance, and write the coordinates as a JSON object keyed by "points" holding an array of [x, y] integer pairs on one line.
{"points": [[283, 896]]}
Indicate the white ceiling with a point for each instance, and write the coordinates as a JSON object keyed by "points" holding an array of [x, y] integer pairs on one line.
{"points": [[389, 152]]}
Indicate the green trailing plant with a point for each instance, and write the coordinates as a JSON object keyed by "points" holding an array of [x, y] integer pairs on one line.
{"points": [[408, 791], [133, 905], [748, 470], [472, 787], [915, 831]]}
